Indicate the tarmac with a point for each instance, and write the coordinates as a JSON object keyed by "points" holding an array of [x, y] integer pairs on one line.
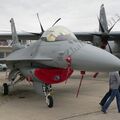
{"points": [[23, 103]]}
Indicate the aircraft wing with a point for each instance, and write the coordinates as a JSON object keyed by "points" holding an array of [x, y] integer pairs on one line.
{"points": [[84, 36], [114, 36], [89, 36], [35, 36], [21, 36]]}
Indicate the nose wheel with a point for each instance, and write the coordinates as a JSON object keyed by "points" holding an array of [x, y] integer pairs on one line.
{"points": [[47, 89], [49, 101]]}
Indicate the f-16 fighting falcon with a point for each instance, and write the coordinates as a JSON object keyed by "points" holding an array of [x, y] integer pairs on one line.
{"points": [[52, 59]]}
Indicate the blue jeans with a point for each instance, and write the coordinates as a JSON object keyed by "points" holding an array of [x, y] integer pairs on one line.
{"points": [[105, 98], [114, 93]]}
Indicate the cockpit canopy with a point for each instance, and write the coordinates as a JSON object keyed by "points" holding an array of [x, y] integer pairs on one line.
{"points": [[58, 33]]}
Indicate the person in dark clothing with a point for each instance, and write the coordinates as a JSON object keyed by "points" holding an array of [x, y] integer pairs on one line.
{"points": [[106, 96]]}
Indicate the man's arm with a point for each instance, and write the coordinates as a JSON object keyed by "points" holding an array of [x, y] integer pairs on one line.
{"points": [[118, 77]]}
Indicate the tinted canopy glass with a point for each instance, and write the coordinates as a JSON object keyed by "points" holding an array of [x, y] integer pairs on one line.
{"points": [[58, 33]]}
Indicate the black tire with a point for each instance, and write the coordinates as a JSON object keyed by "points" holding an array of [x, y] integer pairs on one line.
{"points": [[50, 101], [4, 69], [6, 89]]}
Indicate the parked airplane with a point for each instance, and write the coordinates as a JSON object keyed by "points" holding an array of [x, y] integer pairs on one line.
{"points": [[99, 39], [53, 58], [105, 38]]}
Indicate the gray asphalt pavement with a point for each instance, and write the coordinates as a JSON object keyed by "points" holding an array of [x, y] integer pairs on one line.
{"points": [[23, 103]]}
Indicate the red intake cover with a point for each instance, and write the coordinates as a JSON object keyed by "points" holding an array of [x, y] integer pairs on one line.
{"points": [[53, 75]]}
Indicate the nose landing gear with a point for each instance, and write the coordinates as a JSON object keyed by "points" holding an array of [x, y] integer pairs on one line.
{"points": [[49, 101], [47, 89]]}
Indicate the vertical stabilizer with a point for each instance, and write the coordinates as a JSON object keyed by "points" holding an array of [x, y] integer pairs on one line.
{"points": [[103, 25], [15, 41]]}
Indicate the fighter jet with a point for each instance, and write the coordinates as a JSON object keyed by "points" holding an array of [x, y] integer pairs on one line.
{"points": [[52, 59]]}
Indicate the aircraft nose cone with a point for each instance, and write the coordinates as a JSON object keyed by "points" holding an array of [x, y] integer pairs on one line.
{"points": [[91, 58]]}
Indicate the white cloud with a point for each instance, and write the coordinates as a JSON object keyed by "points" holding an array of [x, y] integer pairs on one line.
{"points": [[77, 15]]}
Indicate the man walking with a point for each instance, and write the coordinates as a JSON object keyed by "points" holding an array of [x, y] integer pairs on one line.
{"points": [[106, 96], [114, 83]]}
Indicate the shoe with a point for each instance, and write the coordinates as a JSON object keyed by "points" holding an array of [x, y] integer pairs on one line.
{"points": [[100, 104], [104, 111]]}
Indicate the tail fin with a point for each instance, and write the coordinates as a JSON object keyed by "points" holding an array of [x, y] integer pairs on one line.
{"points": [[15, 44], [103, 25]]}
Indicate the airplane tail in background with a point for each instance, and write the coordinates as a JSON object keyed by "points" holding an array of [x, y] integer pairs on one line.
{"points": [[15, 41], [103, 25]]}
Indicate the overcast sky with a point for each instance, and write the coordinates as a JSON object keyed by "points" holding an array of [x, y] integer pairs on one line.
{"points": [[77, 15]]}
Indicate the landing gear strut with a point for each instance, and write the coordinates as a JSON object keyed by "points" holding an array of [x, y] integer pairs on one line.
{"points": [[47, 89], [13, 78]]}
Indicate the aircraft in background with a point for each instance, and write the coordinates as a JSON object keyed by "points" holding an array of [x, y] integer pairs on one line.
{"points": [[101, 39], [52, 59], [105, 38]]}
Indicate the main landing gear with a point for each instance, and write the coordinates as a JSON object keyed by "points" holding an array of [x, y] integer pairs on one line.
{"points": [[13, 78], [5, 89], [47, 89]]}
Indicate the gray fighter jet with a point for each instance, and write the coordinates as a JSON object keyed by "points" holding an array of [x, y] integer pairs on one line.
{"points": [[52, 59]]}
